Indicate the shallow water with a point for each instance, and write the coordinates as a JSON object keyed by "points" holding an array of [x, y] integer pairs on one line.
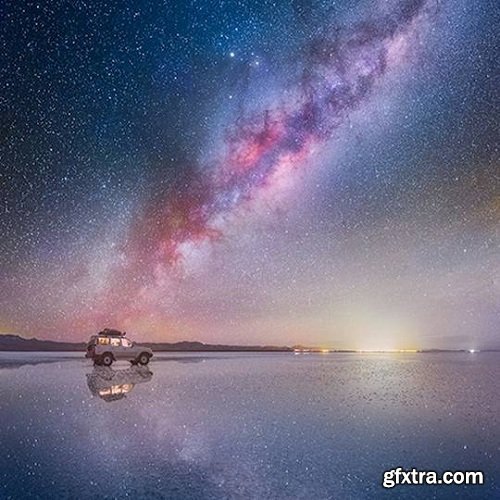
{"points": [[269, 425]]}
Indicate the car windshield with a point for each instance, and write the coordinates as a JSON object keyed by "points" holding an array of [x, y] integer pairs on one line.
{"points": [[126, 343]]}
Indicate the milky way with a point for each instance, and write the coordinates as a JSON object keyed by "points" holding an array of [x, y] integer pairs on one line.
{"points": [[258, 172], [264, 147], [263, 153]]}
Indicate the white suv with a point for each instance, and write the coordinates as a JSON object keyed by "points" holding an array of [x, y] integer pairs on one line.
{"points": [[111, 345]]}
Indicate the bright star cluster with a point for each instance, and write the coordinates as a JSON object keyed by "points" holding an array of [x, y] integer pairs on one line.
{"points": [[251, 172]]}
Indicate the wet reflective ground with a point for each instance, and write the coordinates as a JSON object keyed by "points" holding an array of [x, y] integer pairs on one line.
{"points": [[246, 425]]}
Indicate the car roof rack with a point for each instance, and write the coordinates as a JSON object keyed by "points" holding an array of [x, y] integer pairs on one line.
{"points": [[109, 332]]}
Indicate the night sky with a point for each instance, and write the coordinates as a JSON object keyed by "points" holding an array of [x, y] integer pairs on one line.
{"points": [[251, 172]]}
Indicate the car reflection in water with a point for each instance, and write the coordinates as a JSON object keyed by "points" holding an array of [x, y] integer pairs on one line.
{"points": [[112, 385]]}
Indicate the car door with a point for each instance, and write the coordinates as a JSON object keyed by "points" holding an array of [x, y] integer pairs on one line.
{"points": [[126, 348], [116, 347]]}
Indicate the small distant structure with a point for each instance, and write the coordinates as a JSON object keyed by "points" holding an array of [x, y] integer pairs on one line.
{"points": [[298, 349]]}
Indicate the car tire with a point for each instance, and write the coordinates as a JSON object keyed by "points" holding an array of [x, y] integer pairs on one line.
{"points": [[106, 359], [143, 358]]}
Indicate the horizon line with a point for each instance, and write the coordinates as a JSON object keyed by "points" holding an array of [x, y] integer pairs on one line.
{"points": [[297, 348]]}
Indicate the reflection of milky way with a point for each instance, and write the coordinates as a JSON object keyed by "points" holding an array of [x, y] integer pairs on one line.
{"points": [[266, 147]]}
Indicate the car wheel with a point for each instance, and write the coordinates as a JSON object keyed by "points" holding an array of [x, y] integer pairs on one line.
{"points": [[144, 358], [107, 359]]}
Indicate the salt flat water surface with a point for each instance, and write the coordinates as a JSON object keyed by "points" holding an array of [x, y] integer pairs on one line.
{"points": [[247, 425]]}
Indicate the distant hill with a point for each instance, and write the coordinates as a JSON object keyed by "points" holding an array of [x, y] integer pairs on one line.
{"points": [[200, 346], [16, 343]]}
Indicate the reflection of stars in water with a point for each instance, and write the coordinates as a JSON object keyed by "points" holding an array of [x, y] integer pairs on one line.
{"points": [[182, 430]]}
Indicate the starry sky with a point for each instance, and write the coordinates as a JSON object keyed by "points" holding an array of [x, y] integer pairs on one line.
{"points": [[251, 172]]}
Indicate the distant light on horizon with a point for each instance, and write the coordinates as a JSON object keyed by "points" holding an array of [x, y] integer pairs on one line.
{"points": [[388, 350]]}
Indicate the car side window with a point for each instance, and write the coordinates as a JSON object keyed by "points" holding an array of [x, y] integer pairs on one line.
{"points": [[126, 343], [115, 342]]}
